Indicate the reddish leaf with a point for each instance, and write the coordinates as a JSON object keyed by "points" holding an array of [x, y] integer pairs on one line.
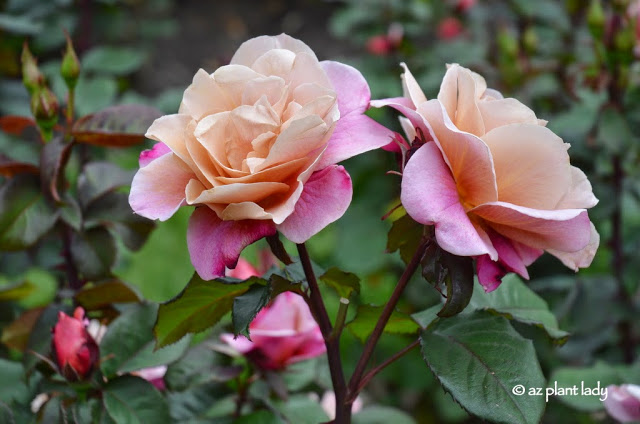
{"points": [[116, 126], [53, 158], [10, 167], [105, 294], [15, 124], [16, 334]]}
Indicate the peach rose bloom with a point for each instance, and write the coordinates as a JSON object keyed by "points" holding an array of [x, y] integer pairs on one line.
{"points": [[496, 183], [255, 146]]}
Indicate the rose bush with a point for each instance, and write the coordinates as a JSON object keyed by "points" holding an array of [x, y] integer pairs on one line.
{"points": [[496, 183], [281, 334], [255, 145]]}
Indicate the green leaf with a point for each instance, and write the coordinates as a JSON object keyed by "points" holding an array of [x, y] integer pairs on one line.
{"points": [[40, 337], [94, 94], [344, 283], [514, 300], [200, 306], [367, 317], [25, 215], [53, 158], [93, 252], [426, 317], [405, 235], [12, 377], [113, 60], [246, 307], [129, 343], [613, 131], [459, 281], [132, 400], [105, 294], [100, 178], [16, 291], [70, 212], [117, 126], [301, 409], [382, 415], [599, 375], [479, 359], [258, 417]]}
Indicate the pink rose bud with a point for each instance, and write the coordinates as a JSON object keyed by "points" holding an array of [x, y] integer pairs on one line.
{"points": [[74, 350], [281, 334], [464, 5], [379, 45], [154, 375], [623, 402], [449, 28]]}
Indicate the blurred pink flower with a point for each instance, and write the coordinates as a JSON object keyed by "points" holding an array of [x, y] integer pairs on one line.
{"points": [[255, 147], [74, 350], [623, 402], [379, 45], [464, 5], [495, 182], [154, 375], [328, 403], [449, 28], [281, 334]]}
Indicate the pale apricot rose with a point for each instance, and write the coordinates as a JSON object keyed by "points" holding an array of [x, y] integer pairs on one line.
{"points": [[496, 183], [255, 146]]}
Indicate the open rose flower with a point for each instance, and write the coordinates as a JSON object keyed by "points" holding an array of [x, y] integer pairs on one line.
{"points": [[623, 402], [495, 182], [75, 352], [255, 146], [281, 334]]}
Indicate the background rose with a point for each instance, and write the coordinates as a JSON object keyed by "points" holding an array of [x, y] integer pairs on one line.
{"points": [[623, 402], [281, 334], [495, 182], [256, 144]]}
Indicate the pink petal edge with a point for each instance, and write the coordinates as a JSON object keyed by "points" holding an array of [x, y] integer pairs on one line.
{"points": [[148, 156]]}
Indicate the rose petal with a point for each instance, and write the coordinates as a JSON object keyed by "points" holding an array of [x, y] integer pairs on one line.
{"points": [[171, 130], [148, 156], [580, 194], [410, 87], [531, 164], [459, 93], [496, 113], [325, 198], [158, 189], [489, 272], [354, 134], [567, 230], [430, 196], [240, 343], [203, 97], [582, 258], [252, 49], [350, 86], [405, 107], [215, 244], [468, 157]]}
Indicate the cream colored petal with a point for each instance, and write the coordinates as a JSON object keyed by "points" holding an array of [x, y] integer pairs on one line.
{"points": [[491, 94], [172, 131], [275, 173], [205, 168], [410, 87], [306, 68], [531, 164], [481, 84], [448, 94], [580, 194], [496, 113], [308, 93], [244, 210], [324, 107], [408, 128], [292, 109], [232, 80], [238, 193], [299, 139], [468, 156], [277, 62], [581, 258], [252, 49], [204, 97], [468, 117], [213, 132], [261, 145], [273, 88]]}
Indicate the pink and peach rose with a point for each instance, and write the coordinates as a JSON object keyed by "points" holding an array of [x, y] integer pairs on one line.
{"points": [[496, 183], [255, 147]]}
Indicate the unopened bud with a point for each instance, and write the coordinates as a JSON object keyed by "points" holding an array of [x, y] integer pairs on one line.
{"points": [[44, 106], [32, 78], [75, 352], [596, 19], [508, 44], [530, 40], [70, 67]]}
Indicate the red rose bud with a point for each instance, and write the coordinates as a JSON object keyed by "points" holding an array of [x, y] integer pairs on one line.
{"points": [[449, 28], [70, 67], [379, 45], [32, 78], [74, 350]]}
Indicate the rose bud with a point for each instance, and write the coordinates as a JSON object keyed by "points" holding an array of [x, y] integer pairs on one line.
{"points": [[74, 350], [281, 334], [495, 182], [70, 67], [449, 28], [31, 75], [623, 402], [379, 45], [255, 147]]}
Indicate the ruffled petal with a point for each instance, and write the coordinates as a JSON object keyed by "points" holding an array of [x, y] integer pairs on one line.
{"points": [[430, 196], [325, 198], [405, 107], [158, 189], [580, 195], [582, 258], [215, 244], [489, 272], [148, 156], [411, 89], [567, 230], [350, 86], [252, 49]]}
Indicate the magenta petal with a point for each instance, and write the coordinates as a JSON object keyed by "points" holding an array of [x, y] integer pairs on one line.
{"points": [[148, 156], [350, 86], [354, 134], [489, 272], [158, 189], [430, 196], [405, 107], [325, 198], [215, 244], [514, 256], [240, 343]]}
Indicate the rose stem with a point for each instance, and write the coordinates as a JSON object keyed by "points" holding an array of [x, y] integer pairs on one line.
{"points": [[354, 383], [340, 319], [343, 410], [372, 372]]}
